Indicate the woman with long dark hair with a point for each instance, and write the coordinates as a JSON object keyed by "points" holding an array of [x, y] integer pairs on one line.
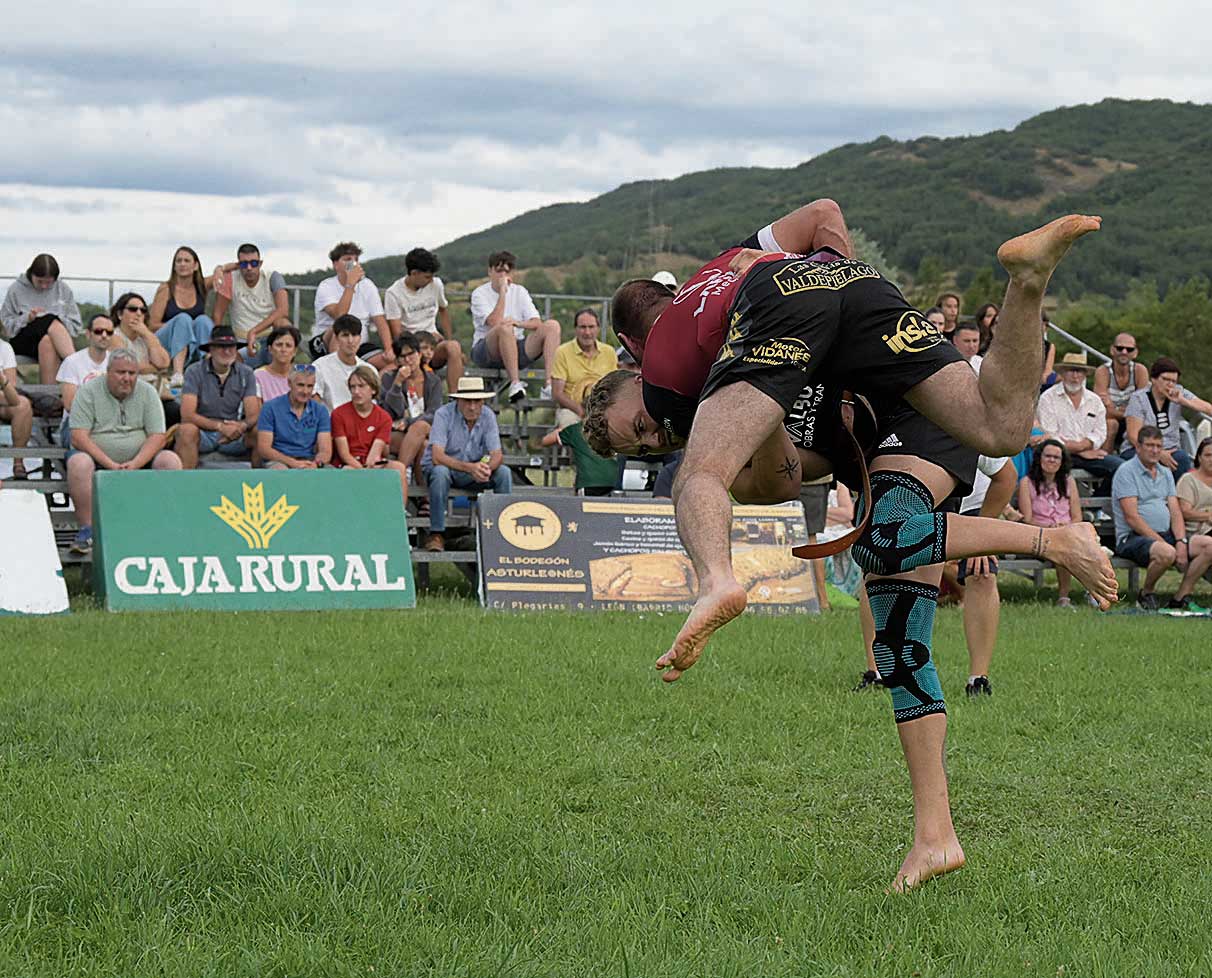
{"points": [[1048, 497], [129, 314], [40, 316], [178, 311], [1194, 492]]}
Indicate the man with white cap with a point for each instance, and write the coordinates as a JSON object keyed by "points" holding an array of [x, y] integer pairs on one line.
{"points": [[1076, 416], [666, 278], [464, 451]]}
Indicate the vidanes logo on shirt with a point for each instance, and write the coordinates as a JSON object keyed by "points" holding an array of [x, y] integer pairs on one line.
{"points": [[913, 334], [255, 524]]}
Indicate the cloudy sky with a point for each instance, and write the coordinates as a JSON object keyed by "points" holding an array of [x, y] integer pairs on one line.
{"points": [[132, 129]]}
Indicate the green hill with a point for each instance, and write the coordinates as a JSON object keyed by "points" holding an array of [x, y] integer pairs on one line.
{"points": [[949, 202]]}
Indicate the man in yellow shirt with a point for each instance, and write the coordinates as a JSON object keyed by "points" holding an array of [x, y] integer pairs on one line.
{"points": [[579, 364]]}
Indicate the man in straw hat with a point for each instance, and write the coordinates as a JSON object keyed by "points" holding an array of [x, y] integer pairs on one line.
{"points": [[464, 451], [219, 402], [1077, 417]]}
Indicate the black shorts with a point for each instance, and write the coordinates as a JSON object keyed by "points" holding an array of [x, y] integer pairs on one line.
{"points": [[25, 343], [796, 322], [905, 432]]}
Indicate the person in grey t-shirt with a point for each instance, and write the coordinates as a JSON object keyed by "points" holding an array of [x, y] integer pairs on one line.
{"points": [[1161, 406], [257, 300]]}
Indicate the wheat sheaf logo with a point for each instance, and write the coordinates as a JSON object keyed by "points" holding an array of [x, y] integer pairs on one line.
{"points": [[255, 524]]}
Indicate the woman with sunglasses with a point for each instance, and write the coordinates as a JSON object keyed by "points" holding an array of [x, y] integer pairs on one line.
{"points": [[130, 315], [1047, 496], [40, 316], [178, 311]]}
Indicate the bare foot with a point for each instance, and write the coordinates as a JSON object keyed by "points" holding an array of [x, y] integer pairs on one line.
{"points": [[1032, 257], [925, 862], [714, 609], [1076, 548]]}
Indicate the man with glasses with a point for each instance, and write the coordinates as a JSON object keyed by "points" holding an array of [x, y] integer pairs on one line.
{"points": [[117, 424], [83, 365], [294, 431], [1149, 526], [257, 299], [1116, 383], [508, 331]]}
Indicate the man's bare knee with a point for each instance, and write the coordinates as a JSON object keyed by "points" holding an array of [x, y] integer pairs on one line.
{"points": [[1162, 554]]}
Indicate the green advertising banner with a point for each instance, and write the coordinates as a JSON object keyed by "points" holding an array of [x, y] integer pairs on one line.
{"points": [[243, 540], [622, 554]]}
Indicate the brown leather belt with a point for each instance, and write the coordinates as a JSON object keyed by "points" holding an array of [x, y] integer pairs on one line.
{"points": [[814, 551]]}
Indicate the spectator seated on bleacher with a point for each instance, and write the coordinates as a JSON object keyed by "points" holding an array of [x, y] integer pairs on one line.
{"points": [[1161, 407], [1194, 492], [83, 365], [1049, 376], [966, 337], [1048, 496], [273, 379], [361, 430], [579, 364], [1077, 418], [351, 293], [294, 431], [464, 452], [40, 317], [417, 303], [333, 369], [257, 300], [117, 424], [219, 403], [1116, 382], [130, 313], [15, 408], [595, 476], [1149, 526], [948, 303], [411, 395], [508, 331], [178, 310], [986, 321]]}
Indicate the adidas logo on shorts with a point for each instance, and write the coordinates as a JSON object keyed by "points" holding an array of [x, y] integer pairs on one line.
{"points": [[890, 442]]}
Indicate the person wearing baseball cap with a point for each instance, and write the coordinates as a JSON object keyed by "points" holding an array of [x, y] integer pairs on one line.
{"points": [[464, 452], [219, 403], [666, 278]]}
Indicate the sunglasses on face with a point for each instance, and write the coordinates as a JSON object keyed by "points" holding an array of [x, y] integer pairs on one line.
{"points": [[103, 332], [251, 263], [139, 309], [1124, 349]]}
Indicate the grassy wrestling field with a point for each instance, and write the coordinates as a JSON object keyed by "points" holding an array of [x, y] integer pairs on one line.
{"points": [[451, 792]]}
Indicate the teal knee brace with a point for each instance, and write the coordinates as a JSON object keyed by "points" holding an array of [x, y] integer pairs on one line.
{"points": [[904, 621], [905, 532]]}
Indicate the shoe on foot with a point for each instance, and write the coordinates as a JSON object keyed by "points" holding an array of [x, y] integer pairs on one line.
{"points": [[1147, 601], [19, 471], [517, 391], [1179, 604], [436, 543], [545, 393], [869, 678], [979, 687], [83, 544]]}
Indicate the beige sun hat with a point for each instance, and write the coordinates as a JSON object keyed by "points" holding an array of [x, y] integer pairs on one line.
{"points": [[1074, 361], [472, 389]]}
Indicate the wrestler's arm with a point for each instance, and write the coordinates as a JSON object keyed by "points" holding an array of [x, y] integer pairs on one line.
{"points": [[772, 475], [819, 224]]}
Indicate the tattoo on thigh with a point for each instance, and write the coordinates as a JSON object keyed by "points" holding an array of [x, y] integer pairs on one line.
{"points": [[789, 468]]}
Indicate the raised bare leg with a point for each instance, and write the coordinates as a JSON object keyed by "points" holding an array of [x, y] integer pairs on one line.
{"points": [[729, 427], [994, 414]]}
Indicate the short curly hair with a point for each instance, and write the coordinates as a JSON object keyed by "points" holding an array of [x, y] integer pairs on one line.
{"points": [[598, 401]]}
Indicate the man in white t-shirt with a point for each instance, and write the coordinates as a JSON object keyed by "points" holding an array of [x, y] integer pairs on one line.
{"points": [[333, 369], [417, 303], [351, 293], [83, 365], [509, 332], [257, 299]]}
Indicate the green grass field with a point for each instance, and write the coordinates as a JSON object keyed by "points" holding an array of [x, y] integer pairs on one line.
{"points": [[454, 792]]}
